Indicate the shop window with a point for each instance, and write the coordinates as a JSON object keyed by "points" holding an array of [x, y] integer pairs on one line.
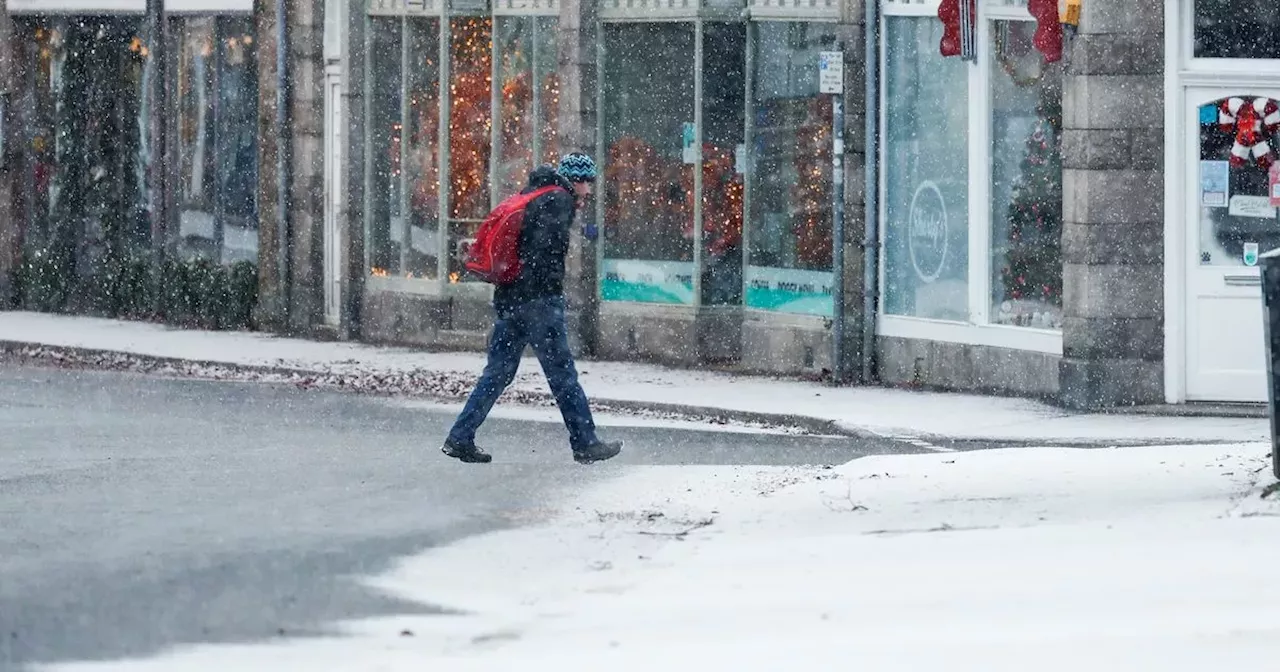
{"points": [[530, 99], [82, 172], [217, 99], [1238, 137], [723, 116], [403, 125], [1026, 180], [648, 114], [1237, 29], [789, 260], [470, 100], [926, 147], [421, 148], [386, 223]]}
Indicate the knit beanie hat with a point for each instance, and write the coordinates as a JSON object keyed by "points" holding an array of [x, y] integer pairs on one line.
{"points": [[578, 167]]}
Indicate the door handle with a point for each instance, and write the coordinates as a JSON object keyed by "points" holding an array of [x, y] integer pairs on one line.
{"points": [[1242, 280]]}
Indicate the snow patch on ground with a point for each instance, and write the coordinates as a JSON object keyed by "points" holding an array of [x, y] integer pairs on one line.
{"points": [[1046, 559]]}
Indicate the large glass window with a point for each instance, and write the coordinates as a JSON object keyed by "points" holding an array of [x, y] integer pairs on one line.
{"points": [[530, 98], [217, 98], [723, 116], [1237, 218], [926, 224], [1237, 29], [1026, 180], [81, 134], [789, 263], [470, 99], [384, 207], [648, 136], [403, 207]]}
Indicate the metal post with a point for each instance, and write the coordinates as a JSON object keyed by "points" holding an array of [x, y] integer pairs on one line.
{"points": [[871, 189], [284, 142], [697, 165], [1269, 268], [406, 223], [748, 155], [837, 233], [444, 185]]}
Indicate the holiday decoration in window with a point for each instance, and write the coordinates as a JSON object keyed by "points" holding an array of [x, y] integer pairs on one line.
{"points": [[1254, 124]]}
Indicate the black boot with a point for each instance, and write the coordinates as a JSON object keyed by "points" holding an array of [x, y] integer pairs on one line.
{"points": [[597, 452], [469, 453]]}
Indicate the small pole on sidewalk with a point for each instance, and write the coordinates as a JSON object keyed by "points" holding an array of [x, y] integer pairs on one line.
{"points": [[831, 81], [1269, 264]]}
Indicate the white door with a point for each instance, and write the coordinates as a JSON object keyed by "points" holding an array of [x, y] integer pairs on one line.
{"points": [[1229, 221], [333, 197]]}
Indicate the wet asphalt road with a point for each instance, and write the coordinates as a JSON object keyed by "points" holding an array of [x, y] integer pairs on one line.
{"points": [[137, 513]]}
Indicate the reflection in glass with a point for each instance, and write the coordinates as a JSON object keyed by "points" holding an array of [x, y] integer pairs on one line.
{"points": [[1236, 216], [470, 73], [383, 206], [648, 124], [723, 87], [530, 99], [1237, 29], [419, 256], [217, 91], [1026, 181], [791, 237], [926, 174]]}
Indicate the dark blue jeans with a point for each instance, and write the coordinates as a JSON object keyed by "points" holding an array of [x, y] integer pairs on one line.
{"points": [[540, 324]]}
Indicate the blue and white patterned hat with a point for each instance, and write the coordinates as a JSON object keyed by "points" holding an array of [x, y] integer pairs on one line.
{"points": [[578, 167]]}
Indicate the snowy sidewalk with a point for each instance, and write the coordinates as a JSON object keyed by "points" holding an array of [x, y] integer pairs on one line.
{"points": [[1152, 558], [871, 409]]}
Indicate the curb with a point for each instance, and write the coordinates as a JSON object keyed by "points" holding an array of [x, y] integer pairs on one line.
{"points": [[92, 359]]}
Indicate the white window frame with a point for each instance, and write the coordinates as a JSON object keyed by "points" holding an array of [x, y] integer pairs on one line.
{"points": [[1190, 64], [977, 330]]}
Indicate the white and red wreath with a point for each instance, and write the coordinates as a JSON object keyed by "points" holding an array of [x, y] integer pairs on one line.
{"points": [[1254, 124]]}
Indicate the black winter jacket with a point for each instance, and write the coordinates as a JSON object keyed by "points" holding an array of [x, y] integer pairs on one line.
{"points": [[544, 242]]}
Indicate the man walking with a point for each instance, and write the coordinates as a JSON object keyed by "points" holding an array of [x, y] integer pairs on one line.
{"points": [[530, 310]]}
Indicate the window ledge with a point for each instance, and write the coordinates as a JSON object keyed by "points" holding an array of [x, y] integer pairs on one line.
{"points": [[991, 335]]}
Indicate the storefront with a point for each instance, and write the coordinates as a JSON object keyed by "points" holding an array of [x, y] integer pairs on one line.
{"points": [[1072, 205], [716, 197], [1223, 190], [971, 198], [80, 127], [459, 104]]}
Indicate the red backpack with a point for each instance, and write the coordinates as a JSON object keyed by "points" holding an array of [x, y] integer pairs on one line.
{"points": [[495, 254]]}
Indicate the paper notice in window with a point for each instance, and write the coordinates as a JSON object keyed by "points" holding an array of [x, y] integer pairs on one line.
{"points": [[1274, 185], [1215, 176], [1252, 206]]}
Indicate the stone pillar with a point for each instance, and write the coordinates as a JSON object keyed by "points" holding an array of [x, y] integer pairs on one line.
{"points": [[852, 35], [1113, 208], [579, 87], [354, 271], [10, 226], [271, 306], [291, 293], [306, 55]]}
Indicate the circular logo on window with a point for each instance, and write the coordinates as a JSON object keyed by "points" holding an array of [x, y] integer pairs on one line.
{"points": [[927, 232]]}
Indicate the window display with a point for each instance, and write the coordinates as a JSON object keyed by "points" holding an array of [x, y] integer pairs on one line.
{"points": [[419, 257], [83, 174], [529, 93], [1237, 29], [384, 205], [470, 99], [1026, 180], [1239, 180], [926, 238], [791, 240], [217, 98], [723, 88], [648, 116]]}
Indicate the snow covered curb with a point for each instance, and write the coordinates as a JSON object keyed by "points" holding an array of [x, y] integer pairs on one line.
{"points": [[447, 386]]}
